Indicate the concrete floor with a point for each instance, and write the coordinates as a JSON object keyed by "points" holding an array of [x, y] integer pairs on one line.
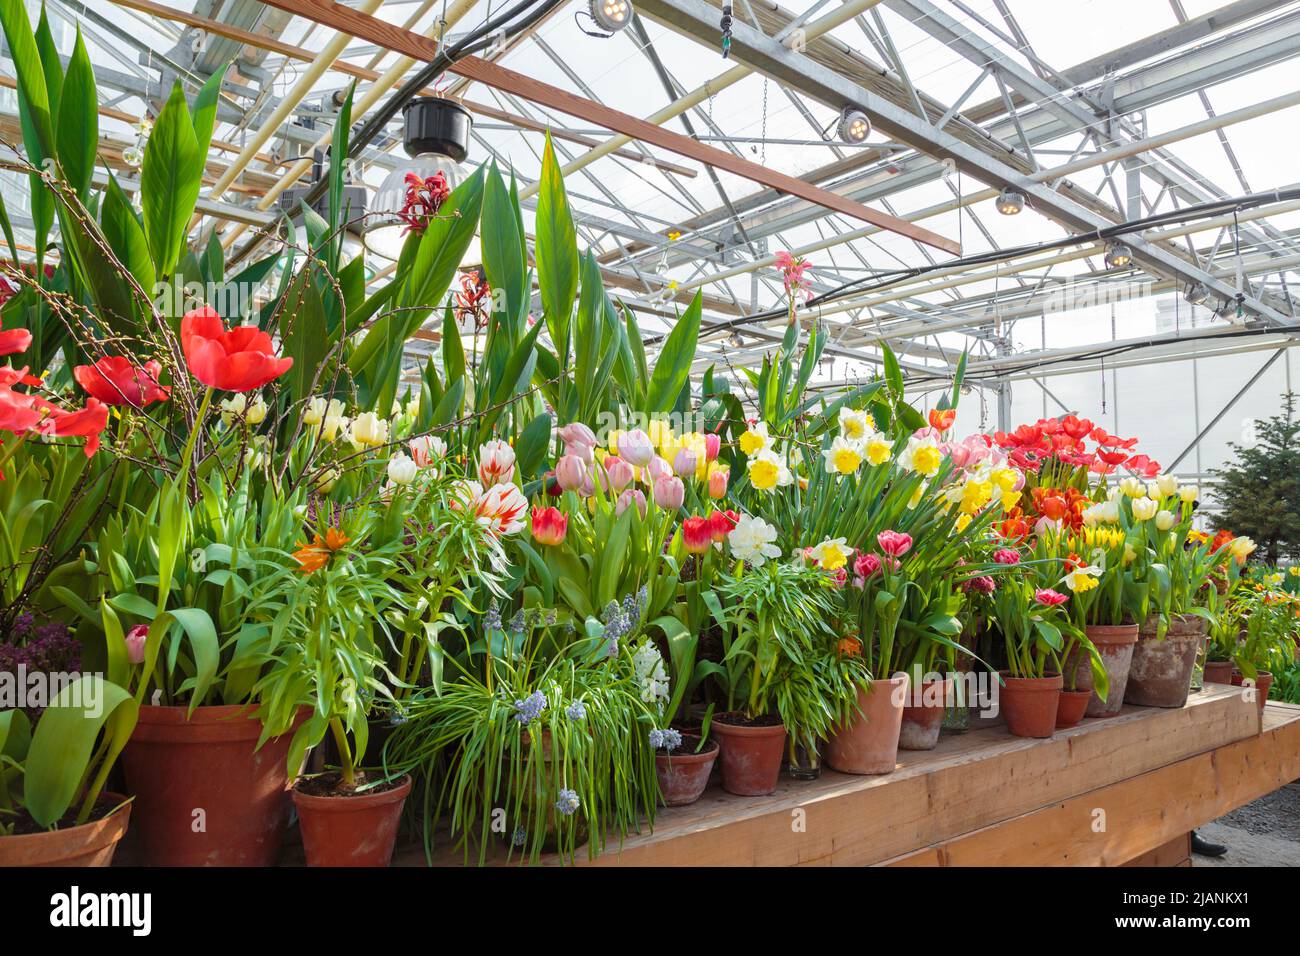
{"points": [[1263, 833]]}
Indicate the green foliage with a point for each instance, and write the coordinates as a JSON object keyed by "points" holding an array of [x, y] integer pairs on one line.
{"points": [[1259, 491]]}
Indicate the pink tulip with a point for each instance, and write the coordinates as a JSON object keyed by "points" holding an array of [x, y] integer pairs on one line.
{"points": [[615, 473], [894, 544], [578, 440], [718, 479], [635, 447], [632, 496], [684, 463], [570, 471], [865, 565], [658, 468], [136, 639], [669, 492], [712, 446], [1049, 598], [588, 486]]}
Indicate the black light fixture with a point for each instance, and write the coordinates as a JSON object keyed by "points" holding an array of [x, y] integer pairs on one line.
{"points": [[611, 15], [435, 135], [1118, 256], [1198, 293], [1010, 202], [854, 126]]}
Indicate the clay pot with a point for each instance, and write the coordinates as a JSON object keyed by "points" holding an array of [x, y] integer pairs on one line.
{"points": [[684, 774], [351, 831], [1029, 704], [921, 720], [1263, 681], [1161, 673], [1115, 644], [178, 765], [1219, 672], [91, 844], [751, 756], [1071, 708], [868, 743]]}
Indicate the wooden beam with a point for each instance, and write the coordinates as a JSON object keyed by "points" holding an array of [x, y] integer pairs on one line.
{"points": [[274, 45], [392, 37]]}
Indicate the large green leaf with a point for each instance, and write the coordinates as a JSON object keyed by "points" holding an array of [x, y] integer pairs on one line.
{"points": [[673, 367], [169, 182], [557, 251], [505, 259], [61, 748], [78, 121]]}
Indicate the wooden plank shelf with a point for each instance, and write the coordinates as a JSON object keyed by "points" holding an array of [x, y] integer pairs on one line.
{"points": [[986, 797]]}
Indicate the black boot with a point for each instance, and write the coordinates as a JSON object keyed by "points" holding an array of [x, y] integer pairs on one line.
{"points": [[1205, 847]]}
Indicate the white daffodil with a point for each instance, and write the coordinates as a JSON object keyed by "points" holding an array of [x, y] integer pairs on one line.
{"points": [[752, 540]]}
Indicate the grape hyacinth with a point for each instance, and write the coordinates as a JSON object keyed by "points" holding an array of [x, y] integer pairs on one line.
{"points": [[576, 711], [530, 708], [568, 802], [492, 616], [667, 739], [519, 837]]}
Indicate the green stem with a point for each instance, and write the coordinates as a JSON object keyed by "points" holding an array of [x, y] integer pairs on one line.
{"points": [[183, 474], [345, 753]]}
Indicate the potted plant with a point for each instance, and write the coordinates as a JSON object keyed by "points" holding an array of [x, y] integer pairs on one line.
{"points": [[776, 632], [1095, 663], [54, 810], [540, 736], [1174, 567], [683, 762], [1266, 637]]}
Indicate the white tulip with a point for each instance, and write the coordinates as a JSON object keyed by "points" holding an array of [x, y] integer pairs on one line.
{"points": [[1144, 509], [1165, 520], [402, 469]]}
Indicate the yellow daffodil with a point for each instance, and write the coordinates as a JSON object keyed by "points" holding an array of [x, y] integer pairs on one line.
{"points": [[755, 439], [877, 448], [767, 471], [963, 522], [975, 495], [1006, 479], [921, 455], [831, 554], [917, 496], [855, 425], [843, 457]]}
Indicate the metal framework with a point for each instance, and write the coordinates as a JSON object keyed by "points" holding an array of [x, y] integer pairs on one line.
{"points": [[688, 171]]}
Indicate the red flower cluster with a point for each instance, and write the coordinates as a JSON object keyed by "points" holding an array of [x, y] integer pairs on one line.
{"points": [[1065, 505], [700, 532], [423, 199], [474, 291], [25, 412], [1066, 439]]}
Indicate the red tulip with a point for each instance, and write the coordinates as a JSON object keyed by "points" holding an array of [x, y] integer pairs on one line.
{"points": [[238, 360], [16, 376], [697, 535], [1076, 427], [721, 524], [84, 423], [550, 525], [115, 381], [15, 340], [942, 419], [1049, 598], [18, 411]]}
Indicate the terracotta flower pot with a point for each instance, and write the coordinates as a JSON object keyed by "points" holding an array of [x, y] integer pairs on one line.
{"points": [[1071, 708], [751, 756], [1029, 704], [1115, 644], [1161, 673], [1219, 672], [868, 743], [204, 796], [91, 844], [923, 715], [1263, 681], [351, 831], [683, 774]]}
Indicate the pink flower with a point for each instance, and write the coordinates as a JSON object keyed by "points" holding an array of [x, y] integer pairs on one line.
{"points": [[570, 470], [712, 446], [865, 565], [894, 543], [658, 468], [669, 492], [135, 642], [615, 473], [981, 585], [631, 496], [1006, 556], [1049, 598], [718, 479], [635, 447], [684, 463], [578, 440]]}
